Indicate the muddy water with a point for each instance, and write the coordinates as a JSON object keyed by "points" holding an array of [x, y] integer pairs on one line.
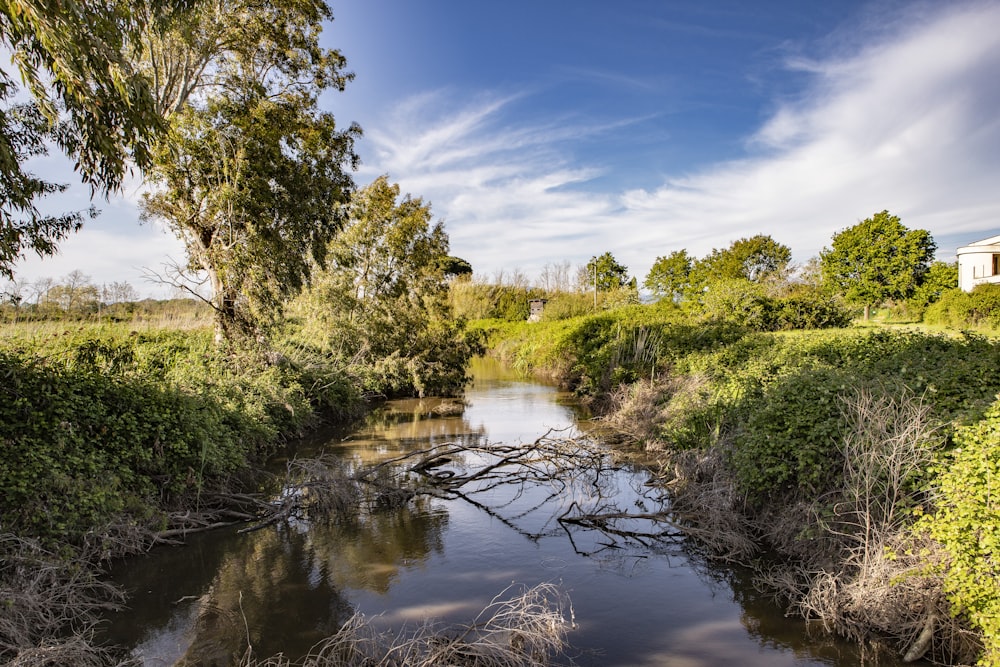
{"points": [[637, 601]]}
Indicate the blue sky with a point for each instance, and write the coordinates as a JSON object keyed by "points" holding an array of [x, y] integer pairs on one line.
{"points": [[546, 131]]}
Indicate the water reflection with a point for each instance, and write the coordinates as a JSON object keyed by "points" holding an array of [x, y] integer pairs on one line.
{"points": [[273, 589], [641, 597]]}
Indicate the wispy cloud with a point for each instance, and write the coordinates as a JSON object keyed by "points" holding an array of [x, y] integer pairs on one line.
{"points": [[904, 117], [909, 123]]}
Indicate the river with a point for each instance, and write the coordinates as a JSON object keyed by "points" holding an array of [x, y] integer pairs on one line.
{"points": [[636, 602]]}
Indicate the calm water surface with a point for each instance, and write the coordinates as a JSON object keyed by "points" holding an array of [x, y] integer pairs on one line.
{"points": [[284, 588]]}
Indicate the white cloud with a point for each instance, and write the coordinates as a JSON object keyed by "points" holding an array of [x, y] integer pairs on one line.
{"points": [[904, 118], [909, 122], [108, 255]]}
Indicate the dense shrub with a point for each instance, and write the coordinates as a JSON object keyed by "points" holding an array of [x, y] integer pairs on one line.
{"points": [[81, 447], [789, 435], [103, 420], [810, 308], [979, 308], [751, 305], [967, 523]]}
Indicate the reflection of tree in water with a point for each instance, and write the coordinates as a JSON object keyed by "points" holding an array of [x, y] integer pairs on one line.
{"points": [[411, 424], [367, 551], [278, 588]]}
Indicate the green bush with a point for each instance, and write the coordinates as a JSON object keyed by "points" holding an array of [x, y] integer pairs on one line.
{"points": [[810, 308], [979, 308], [967, 523], [780, 394], [789, 439], [81, 446], [101, 420]]}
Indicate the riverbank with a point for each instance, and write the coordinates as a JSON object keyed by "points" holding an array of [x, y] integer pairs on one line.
{"points": [[121, 435], [861, 458]]}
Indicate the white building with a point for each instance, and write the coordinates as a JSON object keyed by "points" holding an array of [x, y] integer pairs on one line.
{"points": [[979, 263]]}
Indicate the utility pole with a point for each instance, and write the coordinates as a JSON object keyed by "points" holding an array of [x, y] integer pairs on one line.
{"points": [[595, 285]]}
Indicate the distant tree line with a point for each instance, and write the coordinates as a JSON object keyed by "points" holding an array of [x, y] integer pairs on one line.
{"points": [[76, 297], [877, 263]]}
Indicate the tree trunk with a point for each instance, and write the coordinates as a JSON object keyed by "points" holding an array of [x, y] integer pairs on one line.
{"points": [[224, 303], [868, 312]]}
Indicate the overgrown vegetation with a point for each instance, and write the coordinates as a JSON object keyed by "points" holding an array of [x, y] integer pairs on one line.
{"points": [[867, 459], [863, 457], [106, 421]]}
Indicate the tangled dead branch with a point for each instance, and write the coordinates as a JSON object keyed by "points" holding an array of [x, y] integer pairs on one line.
{"points": [[526, 629], [881, 578], [552, 485], [50, 606]]}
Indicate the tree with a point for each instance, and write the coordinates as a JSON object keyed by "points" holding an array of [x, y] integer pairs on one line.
{"points": [[455, 267], [24, 133], [118, 292], [75, 292], [252, 175], [606, 273], [876, 260], [670, 276], [755, 259], [555, 277], [382, 302], [74, 59], [203, 50], [255, 187]]}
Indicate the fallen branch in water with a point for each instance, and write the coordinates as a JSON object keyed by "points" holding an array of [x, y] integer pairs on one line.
{"points": [[537, 489]]}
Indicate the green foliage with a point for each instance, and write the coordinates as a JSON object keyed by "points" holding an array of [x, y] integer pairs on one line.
{"points": [[809, 307], [967, 523], [777, 395], [24, 133], [88, 99], [485, 301], [785, 405], [979, 308], [754, 259], [669, 277], [252, 176], [254, 185], [597, 352], [380, 310], [752, 305], [565, 305], [106, 421], [741, 301], [876, 260], [940, 277], [606, 273], [788, 436]]}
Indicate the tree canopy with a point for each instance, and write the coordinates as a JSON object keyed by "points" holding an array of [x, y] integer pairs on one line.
{"points": [[606, 273], [754, 259], [670, 276], [256, 188], [381, 304], [876, 260], [252, 176], [88, 99]]}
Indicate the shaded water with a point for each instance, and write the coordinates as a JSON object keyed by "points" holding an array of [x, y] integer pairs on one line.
{"points": [[286, 587]]}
